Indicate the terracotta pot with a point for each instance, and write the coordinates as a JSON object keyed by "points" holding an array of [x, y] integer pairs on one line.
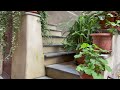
{"points": [[80, 60], [103, 40], [86, 76], [117, 18], [102, 24], [111, 19], [114, 13]]}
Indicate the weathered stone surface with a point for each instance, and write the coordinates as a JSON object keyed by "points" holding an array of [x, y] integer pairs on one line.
{"points": [[52, 49], [28, 59], [62, 71]]}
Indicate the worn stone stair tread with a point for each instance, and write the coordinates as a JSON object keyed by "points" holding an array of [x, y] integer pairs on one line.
{"points": [[55, 54], [53, 45], [44, 77], [68, 67]]}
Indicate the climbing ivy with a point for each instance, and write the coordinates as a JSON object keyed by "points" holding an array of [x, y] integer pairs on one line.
{"points": [[43, 20]]}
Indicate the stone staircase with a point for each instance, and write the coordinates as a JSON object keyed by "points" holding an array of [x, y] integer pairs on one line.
{"points": [[58, 62]]}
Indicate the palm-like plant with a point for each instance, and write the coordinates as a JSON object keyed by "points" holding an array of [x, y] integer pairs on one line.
{"points": [[80, 31]]}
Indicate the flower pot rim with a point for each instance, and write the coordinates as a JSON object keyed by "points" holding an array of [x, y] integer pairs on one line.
{"points": [[101, 34]]}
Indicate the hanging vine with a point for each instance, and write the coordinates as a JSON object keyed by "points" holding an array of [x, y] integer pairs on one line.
{"points": [[15, 24]]}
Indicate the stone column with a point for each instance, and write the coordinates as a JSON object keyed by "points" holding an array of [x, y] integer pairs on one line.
{"points": [[115, 56], [28, 58]]}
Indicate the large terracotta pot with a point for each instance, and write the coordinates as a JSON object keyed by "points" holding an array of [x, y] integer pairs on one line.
{"points": [[102, 24], [86, 76], [103, 40]]}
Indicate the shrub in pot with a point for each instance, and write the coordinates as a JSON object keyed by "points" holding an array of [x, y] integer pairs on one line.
{"points": [[94, 65]]}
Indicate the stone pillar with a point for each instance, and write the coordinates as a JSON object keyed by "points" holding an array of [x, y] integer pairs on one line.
{"points": [[115, 56], [1, 61], [28, 58]]}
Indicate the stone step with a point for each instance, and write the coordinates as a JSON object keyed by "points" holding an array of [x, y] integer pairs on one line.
{"points": [[52, 26], [53, 48], [56, 54], [65, 33], [45, 77], [53, 40], [55, 33], [65, 70], [58, 57]]}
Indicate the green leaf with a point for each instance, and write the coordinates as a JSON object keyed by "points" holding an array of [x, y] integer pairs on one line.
{"points": [[99, 76], [92, 61], [84, 45], [94, 74], [95, 46], [80, 68], [118, 21], [103, 61], [87, 71], [113, 24], [78, 55], [108, 68], [101, 17], [111, 15]]}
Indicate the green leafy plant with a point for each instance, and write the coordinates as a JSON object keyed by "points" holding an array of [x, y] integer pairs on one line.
{"points": [[94, 64], [114, 25], [80, 31], [110, 25]]}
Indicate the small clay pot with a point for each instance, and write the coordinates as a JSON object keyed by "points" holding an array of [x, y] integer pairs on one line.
{"points": [[86, 76]]}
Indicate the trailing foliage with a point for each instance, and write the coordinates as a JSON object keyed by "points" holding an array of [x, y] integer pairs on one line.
{"points": [[12, 20], [43, 20]]}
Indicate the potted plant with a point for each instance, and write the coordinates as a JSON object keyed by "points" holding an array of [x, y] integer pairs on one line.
{"points": [[103, 37], [94, 65], [105, 16], [80, 33]]}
